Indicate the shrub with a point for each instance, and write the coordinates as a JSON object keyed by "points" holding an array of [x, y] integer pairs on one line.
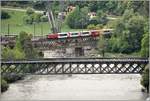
{"points": [[99, 26], [18, 54], [4, 85], [37, 17], [103, 20], [145, 78], [78, 18], [29, 11], [12, 77], [91, 26], [44, 18], [26, 45], [145, 46], [113, 45], [93, 21], [4, 15], [28, 19], [7, 53], [41, 54]]}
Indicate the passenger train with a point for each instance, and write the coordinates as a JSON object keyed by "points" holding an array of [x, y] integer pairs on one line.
{"points": [[93, 33]]}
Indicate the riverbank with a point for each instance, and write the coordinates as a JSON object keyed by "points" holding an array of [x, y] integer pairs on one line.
{"points": [[9, 78], [4, 85]]}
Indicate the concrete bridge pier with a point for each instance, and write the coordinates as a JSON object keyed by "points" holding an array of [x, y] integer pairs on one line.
{"points": [[79, 51]]}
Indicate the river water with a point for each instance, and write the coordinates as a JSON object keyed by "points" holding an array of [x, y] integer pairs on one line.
{"points": [[76, 87]]}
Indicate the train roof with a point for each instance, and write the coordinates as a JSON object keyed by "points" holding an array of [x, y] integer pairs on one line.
{"points": [[84, 31], [63, 33], [107, 29]]}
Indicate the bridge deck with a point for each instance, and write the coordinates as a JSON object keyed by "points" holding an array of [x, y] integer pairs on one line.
{"points": [[77, 60], [76, 66]]}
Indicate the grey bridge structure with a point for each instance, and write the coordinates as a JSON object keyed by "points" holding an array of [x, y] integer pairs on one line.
{"points": [[75, 66], [42, 43]]}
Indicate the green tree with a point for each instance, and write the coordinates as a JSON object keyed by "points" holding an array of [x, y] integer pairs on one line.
{"points": [[73, 18], [145, 45], [78, 18], [99, 26], [93, 6], [91, 26], [141, 7], [39, 5], [128, 32], [93, 21], [18, 54], [44, 18], [28, 19], [4, 15], [11, 54], [84, 17], [29, 11], [7, 53], [102, 45], [101, 17], [37, 18], [25, 44]]}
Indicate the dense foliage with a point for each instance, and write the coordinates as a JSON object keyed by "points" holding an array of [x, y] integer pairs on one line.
{"points": [[4, 15], [25, 45], [4, 85], [31, 17], [128, 33], [145, 78], [145, 42], [10, 54], [17, 3], [23, 48], [77, 18], [12, 77], [110, 7]]}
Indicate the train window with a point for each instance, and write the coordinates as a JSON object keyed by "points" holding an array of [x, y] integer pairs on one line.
{"points": [[85, 32], [65, 34], [74, 33], [107, 31]]}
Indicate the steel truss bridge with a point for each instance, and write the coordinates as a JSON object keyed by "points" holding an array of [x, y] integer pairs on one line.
{"points": [[75, 66]]}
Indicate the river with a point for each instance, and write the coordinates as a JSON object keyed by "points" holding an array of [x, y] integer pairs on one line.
{"points": [[76, 87]]}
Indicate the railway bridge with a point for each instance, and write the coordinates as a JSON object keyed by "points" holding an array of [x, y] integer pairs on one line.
{"points": [[41, 43], [75, 66]]}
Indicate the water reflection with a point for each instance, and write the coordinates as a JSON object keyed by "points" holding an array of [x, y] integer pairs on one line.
{"points": [[76, 87]]}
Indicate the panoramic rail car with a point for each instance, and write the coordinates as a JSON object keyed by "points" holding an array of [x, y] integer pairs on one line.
{"points": [[93, 33]]}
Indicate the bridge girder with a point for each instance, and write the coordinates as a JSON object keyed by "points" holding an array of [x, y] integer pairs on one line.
{"points": [[75, 66]]}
